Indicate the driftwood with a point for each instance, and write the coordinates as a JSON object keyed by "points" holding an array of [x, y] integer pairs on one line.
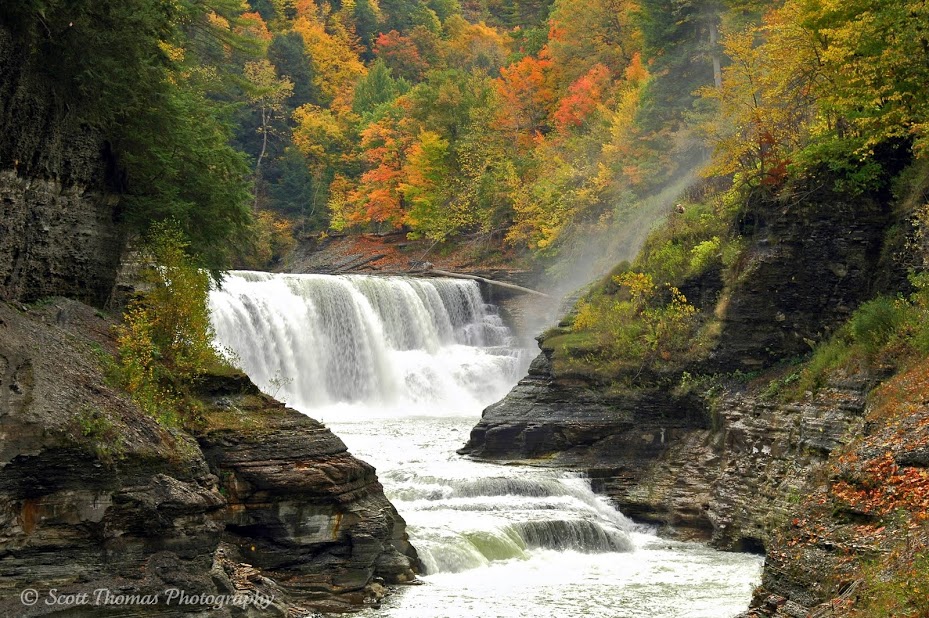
{"points": [[499, 284], [353, 264]]}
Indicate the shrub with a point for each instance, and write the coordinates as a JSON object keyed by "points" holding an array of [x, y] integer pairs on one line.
{"points": [[703, 254], [876, 322], [643, 323], [165, 341]]}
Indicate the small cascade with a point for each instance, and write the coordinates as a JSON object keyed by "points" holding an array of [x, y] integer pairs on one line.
{"points": [[400, 369], [464, 523]]}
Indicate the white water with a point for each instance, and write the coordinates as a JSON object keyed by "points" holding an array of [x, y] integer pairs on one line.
{"points": [[400, 369]]}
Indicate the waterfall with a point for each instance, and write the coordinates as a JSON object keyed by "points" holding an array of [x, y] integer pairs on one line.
{"points": [[319, 340], [400, 369]]}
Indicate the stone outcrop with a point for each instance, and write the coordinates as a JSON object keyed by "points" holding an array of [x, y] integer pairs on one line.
{"points": [[96, 495], [718, 460], [59, 230], [299, 507], [93, 494]]}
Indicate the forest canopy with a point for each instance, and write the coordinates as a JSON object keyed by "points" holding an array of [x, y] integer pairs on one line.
{"points": [[533, 121]]}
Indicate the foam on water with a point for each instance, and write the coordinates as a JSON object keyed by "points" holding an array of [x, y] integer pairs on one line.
{"points": [[400, 369]]}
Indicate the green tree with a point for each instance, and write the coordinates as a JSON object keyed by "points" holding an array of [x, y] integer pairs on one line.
{"points": [[376, 88], [266, 93], [425, 188]]}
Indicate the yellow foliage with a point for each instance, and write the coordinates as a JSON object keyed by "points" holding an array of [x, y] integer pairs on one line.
{"points": [[335, 59], [767, 101], [165, 341]]}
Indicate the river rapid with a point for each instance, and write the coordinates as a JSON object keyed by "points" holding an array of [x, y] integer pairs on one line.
{"points": [[401, 369]]}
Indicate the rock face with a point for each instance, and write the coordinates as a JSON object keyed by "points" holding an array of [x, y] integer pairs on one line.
{"points": [[808, 267], [59, 233], [96, 495], [299, 506], [56, 239], [723, 461]]}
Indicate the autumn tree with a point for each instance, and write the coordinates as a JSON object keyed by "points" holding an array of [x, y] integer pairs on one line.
{"points": [[767, 99], [584, 96], [384, 144], [337, 64], [267, 94], [528, 91], [322, 138], [474, 46], [585, 33], [401, 55], [876, 59]]}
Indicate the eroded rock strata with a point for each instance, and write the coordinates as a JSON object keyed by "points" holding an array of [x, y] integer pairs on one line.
{"points": [[708, 450], [96, 495]]}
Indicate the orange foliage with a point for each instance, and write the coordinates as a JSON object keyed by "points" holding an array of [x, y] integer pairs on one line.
{"points": [[377, 197], [583, 97], [636, 73], [527, 89], [306, 9], [253, 25], [401, 54]]}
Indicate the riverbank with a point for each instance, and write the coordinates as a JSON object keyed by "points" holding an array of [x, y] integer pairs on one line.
{"points": [[256, 498]]}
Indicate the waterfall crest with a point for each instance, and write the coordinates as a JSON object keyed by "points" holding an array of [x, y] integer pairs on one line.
{"points": [[320, 340]]}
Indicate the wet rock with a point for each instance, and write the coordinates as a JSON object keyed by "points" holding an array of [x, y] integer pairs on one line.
{"points": [[94, 494]]}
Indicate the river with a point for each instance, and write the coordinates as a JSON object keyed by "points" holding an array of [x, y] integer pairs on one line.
{"points": [[400, 369]]}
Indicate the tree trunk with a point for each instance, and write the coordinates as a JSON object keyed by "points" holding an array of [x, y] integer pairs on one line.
{"points": [[261, 155], [714, 51]]}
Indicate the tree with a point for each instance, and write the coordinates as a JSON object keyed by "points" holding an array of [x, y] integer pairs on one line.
{"points": [[583, 97], [767, 99], [679, 39], [287, 54], [376, 88], [585, 33], [426, 188], [528, 91], [337, 65], [876, 59], [401, 54], [321, 138], [267, 93], [384, 144], [475, 46]]}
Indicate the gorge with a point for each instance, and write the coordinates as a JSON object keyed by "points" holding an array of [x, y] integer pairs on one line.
{"points": [[416, 360]]}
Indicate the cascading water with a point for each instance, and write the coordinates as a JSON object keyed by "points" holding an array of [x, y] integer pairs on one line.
{"points": [[319, 340], [400, 369]]}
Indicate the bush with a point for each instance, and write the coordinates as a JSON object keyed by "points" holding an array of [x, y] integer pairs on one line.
{"points": [[165, 341], [645, 323]]}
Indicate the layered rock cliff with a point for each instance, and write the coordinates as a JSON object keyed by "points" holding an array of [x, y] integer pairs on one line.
{"points": [[59, 229], [644, 433], [707, 449], [94, 494]]}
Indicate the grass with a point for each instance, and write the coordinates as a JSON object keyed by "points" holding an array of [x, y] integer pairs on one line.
{"points": [[884, 333], [100, 434]]}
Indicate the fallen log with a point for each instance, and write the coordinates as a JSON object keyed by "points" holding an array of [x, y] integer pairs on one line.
{"points": [[354, 264], [499, 284]]}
